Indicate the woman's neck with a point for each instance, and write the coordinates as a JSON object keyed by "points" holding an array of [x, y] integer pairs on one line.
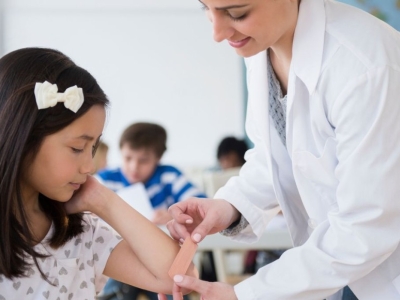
{"points": [[281, 53], [281, 58]]}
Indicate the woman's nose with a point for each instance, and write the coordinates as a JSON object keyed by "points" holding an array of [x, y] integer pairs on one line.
{"points": [[221, 27]]}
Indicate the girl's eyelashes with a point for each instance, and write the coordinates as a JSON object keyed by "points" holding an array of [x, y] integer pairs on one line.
{"points": [[75, 150]]}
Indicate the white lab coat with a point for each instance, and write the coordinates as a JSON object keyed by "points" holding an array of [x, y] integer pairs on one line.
{"points": [[338, 181]]}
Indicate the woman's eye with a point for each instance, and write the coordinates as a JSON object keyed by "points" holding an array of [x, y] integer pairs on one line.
{"points": [[234, 18], [75, 150]]}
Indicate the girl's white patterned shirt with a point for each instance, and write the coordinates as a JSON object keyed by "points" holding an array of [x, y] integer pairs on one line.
{"points": [[75, 269]]}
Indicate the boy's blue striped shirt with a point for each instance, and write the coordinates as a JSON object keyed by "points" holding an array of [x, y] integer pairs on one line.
{"points": [[165, 187]]}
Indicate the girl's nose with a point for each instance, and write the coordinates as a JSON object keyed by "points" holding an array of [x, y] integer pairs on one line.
{"points": [[88, 167]]}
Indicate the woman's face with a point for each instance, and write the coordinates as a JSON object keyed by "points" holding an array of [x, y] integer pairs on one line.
{"points": [[251, 26]]}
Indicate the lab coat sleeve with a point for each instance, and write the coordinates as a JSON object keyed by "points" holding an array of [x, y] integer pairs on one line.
{"points": [[363, 231], [252, 192]]}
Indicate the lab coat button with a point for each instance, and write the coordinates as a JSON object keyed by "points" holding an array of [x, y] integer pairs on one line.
{"points": [[312, 223]]}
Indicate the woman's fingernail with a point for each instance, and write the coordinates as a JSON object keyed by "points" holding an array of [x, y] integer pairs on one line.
{"points": [[178, 278], [181, 241], [189, 221], [197, 237]]}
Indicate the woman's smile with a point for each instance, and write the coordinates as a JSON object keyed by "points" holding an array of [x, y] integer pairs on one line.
{"points": [[240, 43]]}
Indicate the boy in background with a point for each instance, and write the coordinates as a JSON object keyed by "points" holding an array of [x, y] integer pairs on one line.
{"points": [[142, 146]]}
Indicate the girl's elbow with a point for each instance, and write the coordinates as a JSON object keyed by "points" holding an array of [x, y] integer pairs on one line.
{"points": [[192, 271]]}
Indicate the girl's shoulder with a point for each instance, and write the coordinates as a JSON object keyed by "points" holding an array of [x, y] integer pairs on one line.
{"points": [[96, 230], [96, 234]]}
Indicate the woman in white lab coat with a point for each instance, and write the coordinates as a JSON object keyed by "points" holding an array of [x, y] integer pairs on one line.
{"points": [[324, 115]]}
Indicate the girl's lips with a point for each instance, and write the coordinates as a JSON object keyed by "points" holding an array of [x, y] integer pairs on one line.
{"points": [[75, 186], [239, 44]]}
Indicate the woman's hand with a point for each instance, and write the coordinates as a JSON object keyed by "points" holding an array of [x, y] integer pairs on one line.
{"points": [[199, 217], [176, 294], [207, 290]]}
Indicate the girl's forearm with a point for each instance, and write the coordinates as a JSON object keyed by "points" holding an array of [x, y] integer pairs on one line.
{"points": [[150, 244]]}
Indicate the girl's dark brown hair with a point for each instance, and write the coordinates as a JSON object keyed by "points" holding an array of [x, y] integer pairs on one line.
{"points": [[22, 130]]}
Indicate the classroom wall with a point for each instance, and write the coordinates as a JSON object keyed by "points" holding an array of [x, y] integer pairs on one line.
{"points": [[156, 61]]}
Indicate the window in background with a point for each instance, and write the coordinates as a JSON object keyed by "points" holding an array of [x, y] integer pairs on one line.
{"points": [[386, 10]]}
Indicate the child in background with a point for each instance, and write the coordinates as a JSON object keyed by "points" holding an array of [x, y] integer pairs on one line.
{"points": [[100, 158], [230, 153], [142, 146], [49, 248]]}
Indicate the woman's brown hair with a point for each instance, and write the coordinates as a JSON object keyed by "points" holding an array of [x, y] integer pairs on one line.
{"points": [[22, 130]]}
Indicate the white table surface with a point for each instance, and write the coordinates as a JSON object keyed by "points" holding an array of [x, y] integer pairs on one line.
{"points": [[272, 239]]}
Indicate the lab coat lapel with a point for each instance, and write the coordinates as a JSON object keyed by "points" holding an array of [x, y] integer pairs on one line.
{"points": [[308, 47], [308, 43], [259, 96]]}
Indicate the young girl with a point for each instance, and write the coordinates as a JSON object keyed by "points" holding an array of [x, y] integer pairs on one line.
{"points": [[52, 115]]}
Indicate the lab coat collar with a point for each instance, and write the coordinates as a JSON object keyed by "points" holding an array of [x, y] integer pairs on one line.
{"points": [[308, 43]]}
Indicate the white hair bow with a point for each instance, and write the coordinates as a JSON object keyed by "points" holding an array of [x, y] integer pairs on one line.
{"points": [[46, 96]]}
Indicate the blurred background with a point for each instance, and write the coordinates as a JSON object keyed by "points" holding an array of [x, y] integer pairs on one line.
{"points": [[155, 59], [157, 62], [386, 10]]}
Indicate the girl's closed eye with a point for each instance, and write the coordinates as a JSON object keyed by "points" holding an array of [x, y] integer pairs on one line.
{"points": [[76, 150]]}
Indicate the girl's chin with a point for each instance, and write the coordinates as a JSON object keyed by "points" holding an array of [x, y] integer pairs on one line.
{"points": [[61, 198]]}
